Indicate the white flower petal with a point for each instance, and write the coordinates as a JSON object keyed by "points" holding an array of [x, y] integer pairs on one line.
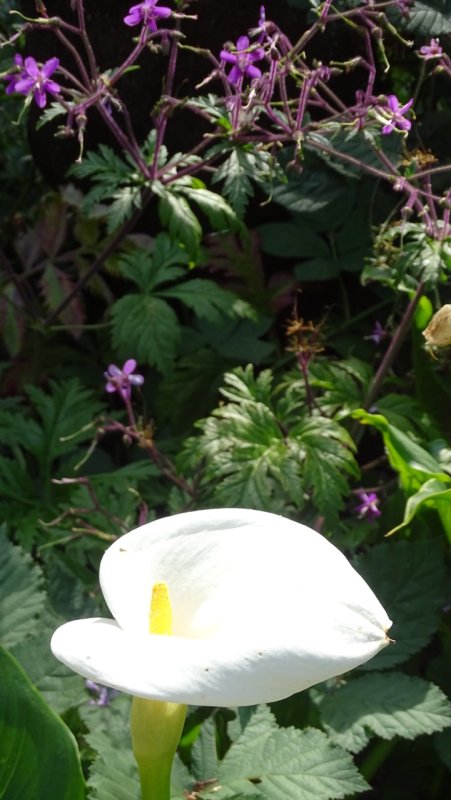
{"points": [[211, 672], [262, 608]]}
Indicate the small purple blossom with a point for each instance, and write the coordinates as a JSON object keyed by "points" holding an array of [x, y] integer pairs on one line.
{"points": [[32, 79], [147, 13], [122, 380], [394, 115], [431, 50], [378, 334], [102, 694], [368, 507], [243, 61]]}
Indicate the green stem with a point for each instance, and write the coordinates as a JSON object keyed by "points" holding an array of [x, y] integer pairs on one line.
{"points": [[375, 757], [156, 730]]}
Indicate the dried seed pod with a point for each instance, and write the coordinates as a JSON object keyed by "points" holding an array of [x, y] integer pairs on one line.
{"points": [[438, 332]]}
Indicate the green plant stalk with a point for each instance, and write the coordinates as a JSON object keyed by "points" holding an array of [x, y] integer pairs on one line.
{"points": [[375, 757], [156, 729]]}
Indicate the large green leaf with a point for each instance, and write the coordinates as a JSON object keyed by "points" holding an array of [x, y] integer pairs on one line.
{"points": [[287, 764], [412, 462], [204, 297], [386, 705], [410, 581], [148, 328], [433, 494], [294, 239], [39, 755], [21, 597]]}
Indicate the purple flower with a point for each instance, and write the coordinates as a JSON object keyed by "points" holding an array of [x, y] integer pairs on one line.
{"points": [[378, 335], [243, 61], [122, 380], [104, 693], [147, 13], [394, 115], [368, 507], [431, 50], [33, 79]]}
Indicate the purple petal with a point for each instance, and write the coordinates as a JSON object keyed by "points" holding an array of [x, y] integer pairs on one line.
{"points": [[129, 366], [393, 102], [134, 16], [31, 67], [235, 75], [389, 127], [114, 371], [242, 43], [52, 87], [110, 387], [225, 55], [24, 85], [253, 72], [257, 54], [40, 97], [18, 60], [49, 67], [406, 107], [162, 12], [136, 380]]}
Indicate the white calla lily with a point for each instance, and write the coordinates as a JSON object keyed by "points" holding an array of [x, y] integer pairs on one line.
{"points": [[262, 607]]}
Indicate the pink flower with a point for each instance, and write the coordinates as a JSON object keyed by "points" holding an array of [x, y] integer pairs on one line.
{"points": [[122, 380], [33, 79], [243, 61], [431, 50], [147, 13], [368, 508], [395, 115]]}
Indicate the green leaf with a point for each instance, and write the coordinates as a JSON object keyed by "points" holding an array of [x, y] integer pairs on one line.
{"points": [[433, 494], [442, 742], [208, 300], [176, 214], [314, 192], [428, 19], [21, 597], [287, 764], [65, 413], [409, 579], [150, 268], [236, 172], [317, 269], [385, 705], [148, 328], [220, 215], [39, 754], [409, 459], [204, 757], [292, 239]]}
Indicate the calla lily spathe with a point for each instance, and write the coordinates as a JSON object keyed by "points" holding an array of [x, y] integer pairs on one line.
{"points": [[262, 607]]}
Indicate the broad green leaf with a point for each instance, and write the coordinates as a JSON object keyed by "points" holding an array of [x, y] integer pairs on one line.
{"points": [[428, 19], [147, 327], [310, 192], [220, 215], [442, 742], [385, 705], [208, 300], [433, 494], [21, 597], [149, 268], [409, 579], [292, 239], [409, 459], [182, 223], [58, 685], [317, 269], [204, 757], [236, 172], [288, 764], [39, 754]]}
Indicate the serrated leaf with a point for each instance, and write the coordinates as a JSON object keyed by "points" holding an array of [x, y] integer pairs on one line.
{"points": [[235, 171], [409, 579], [288, 764], [204, 757], [208, 300], [427, 20], [21, 597], [220, 215], [385, 705], [147, 327], [182, 223], [148, 270], [39, 753]]}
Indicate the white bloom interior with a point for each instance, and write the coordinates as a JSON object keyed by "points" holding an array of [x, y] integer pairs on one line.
{"points": [[262, 607]]}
